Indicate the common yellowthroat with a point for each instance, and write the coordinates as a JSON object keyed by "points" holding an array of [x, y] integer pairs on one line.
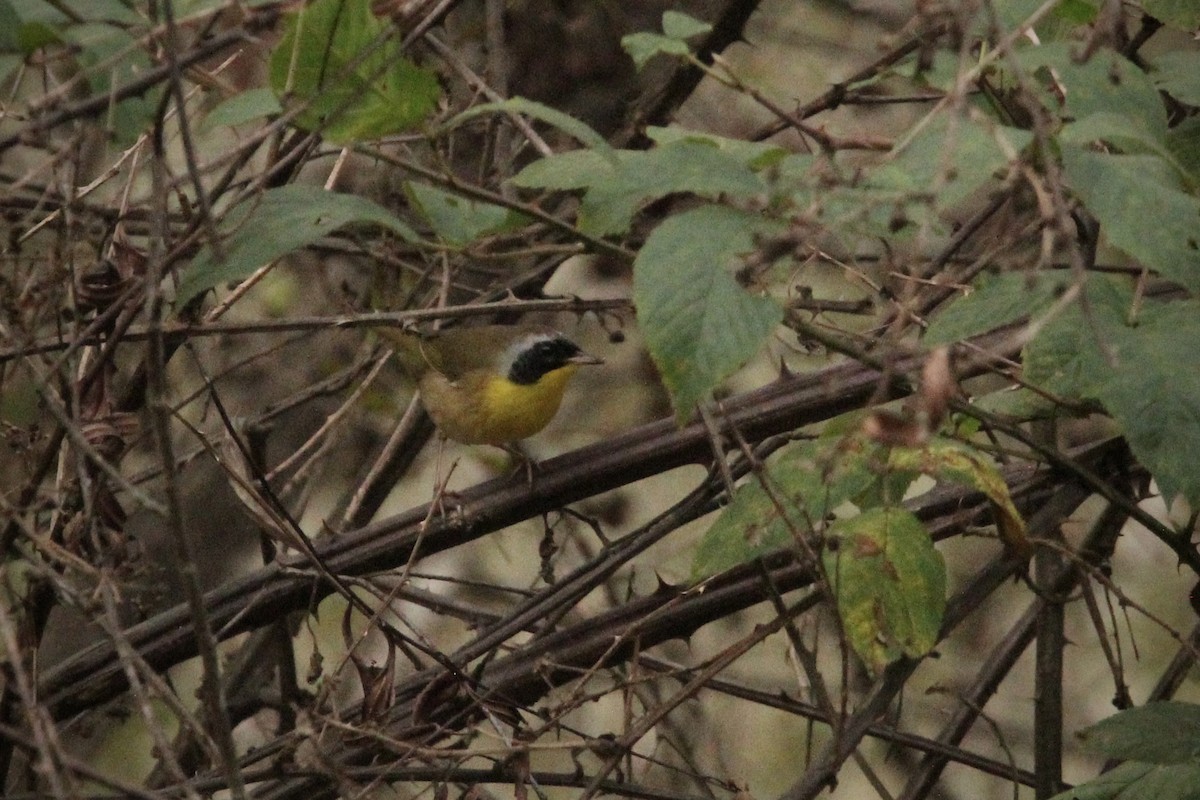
{"points": [[494, 384]]}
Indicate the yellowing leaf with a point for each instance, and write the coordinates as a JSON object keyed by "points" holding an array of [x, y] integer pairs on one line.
{"points": [[947, 461], [805, 485], [890, 585]]}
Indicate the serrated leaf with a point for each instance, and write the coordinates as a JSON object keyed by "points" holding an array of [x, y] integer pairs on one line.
{"points": [[688, 166], [281, 221], [617, 188], [1156, 733], [1111, 83], [458, 220], [890, 585], [806, 484], [961, 153], [1107, 83], [1123, 132], [1017, 403], [700, 325], [1178, 74], [1071, 354], [755, 155], [1184, 143], [243, 107], [356, 87], [1137, 781], [996, 302], [1155, 395], [1124, 192], [1138, 372], [947, 461]]}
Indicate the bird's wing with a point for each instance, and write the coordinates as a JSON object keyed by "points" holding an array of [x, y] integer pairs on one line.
{"points": [[473, 348], [477, 348]]}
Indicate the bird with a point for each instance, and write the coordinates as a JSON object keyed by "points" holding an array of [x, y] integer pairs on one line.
{"points": [[490, 384]]}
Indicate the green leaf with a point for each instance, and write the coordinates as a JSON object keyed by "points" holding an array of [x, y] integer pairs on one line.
{"points": [[1071, 354], [539, 111], [458, 220], [574, 169], [354, 79], [1106, 83], [890, 585], [1178, 74], [1137, 371], [33, 36], [1017, 403], [119, 11], [1184, 143], [806, 483], [1123, 132], [1155, 396], [243, 107], [195, 8], [10, 22], [1136, 781], [755, 155], [39, 11], [110, 57], [1076, 12], [1110, 84], [1182, 14], [700, 325], [8, 64], [677, 27], [961, 153], [996, 302], [1009, 13], [1156, 733], [282, 220], [1125, 192], [643, 46], [616, 189]]}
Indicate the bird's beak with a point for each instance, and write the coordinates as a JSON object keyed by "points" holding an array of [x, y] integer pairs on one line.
{"points": [[584, 358]]}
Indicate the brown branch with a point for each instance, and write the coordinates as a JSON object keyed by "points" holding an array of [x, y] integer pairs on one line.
{"points": [[1001, 660], [727, 29], [98, 103], [139, 333], [836, 94], [789, 403]]}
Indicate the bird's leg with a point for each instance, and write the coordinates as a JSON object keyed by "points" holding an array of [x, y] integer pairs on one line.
{"points": [[440, 492], [522, 459]]}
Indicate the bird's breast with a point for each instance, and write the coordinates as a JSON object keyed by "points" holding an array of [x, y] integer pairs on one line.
{"points": [[489, 409]]}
